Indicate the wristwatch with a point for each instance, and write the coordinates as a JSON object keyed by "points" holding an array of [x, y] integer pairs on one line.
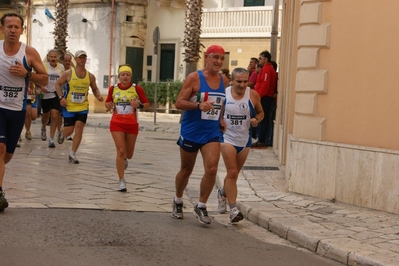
{"points": [[60, 97], [28, 74]]}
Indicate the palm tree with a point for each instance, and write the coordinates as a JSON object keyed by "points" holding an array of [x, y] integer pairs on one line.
{"points": [[192, 34], [61, 26]]}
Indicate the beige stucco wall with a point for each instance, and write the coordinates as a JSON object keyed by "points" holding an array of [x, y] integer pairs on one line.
{"points": [[340, 132], [361, 104]]}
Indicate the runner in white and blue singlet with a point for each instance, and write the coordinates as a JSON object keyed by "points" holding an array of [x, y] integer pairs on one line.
{"points": [[243, 108], [17, 61]]}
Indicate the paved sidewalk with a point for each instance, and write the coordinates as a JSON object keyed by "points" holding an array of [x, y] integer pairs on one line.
{"points": [[345, 233]]}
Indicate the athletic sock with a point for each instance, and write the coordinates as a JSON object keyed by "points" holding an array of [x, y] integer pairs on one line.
{"points": [[201, 205], [178, 200], [232, 205]]}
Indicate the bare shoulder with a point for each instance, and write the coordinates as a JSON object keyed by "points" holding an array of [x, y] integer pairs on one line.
{"points": [[192, 77], [225, 81], [65, 76], [91, 76], [32, 55], [191, 82], [29, 50]]}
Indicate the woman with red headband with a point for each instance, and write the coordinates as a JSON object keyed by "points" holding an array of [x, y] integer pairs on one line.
{"points": [[124, 99]]}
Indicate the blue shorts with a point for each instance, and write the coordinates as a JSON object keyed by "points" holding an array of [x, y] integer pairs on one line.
{"points": [[11, 124], [71, 117], [190, 146]]}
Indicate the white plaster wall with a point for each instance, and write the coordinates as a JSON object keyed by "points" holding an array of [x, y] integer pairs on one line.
{"points": [[93, 36], [356, 175], [171, 25]]}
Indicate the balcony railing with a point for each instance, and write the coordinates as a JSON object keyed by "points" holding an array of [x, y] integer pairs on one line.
{"points": [[238, 22]]}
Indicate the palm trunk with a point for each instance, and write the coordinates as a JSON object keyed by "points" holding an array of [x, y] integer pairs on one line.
{"points": [[61, 26]]}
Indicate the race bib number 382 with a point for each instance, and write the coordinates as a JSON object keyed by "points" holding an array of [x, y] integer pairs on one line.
{"points": [[11, 94]]}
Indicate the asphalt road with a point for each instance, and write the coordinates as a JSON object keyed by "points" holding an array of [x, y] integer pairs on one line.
{"points": [[95, 237]]}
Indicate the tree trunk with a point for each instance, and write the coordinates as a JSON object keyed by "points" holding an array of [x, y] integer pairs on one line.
{"points": [[61, 26], [192, 35]]}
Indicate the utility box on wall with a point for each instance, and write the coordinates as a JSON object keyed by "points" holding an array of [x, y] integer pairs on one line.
{"points": [[105, 82]]}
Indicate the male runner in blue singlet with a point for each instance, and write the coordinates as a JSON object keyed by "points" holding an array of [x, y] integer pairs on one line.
{"points": [[201, 97]]}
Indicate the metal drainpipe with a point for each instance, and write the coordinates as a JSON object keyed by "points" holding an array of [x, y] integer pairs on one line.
{"points": [[28, 22], [111, 42], [274, 34]]}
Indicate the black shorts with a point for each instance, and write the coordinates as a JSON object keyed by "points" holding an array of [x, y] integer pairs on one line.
{"points": [[11, 124], [48, 104], [70, 120]]}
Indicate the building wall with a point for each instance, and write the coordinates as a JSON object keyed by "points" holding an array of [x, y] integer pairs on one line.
{"points": [[342, 143], [240, 50], [94, 35], [171, 26]]}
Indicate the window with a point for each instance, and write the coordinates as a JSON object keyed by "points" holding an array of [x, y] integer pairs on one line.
{"points": [[149, 60], [254, 2]]}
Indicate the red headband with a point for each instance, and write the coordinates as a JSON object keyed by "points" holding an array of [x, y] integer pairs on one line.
{"points": [[215, 49]]}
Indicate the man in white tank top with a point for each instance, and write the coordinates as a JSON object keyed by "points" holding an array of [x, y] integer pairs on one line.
{"points": [[17, 61], [242, 109], [50, 102]]}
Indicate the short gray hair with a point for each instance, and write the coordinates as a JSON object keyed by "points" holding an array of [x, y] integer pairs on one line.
{"points": [[238, 70]]}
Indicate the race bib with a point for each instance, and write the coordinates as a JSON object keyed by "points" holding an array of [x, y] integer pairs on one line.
{"points": [[213, 114], [11, 94], [235, 121], [78, 97], [124, 108]]}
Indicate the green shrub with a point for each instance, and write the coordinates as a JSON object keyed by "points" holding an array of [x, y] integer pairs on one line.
{"points": [[166, 91]]}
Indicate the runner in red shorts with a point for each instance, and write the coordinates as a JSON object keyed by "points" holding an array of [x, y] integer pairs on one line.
{"points": [[124, 99]]}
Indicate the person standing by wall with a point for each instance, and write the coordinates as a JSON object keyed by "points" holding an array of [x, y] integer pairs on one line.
{"points": [[265, 87], [272, 111], [75, 100], [201, 97], [17, 60], [253, 69], [253, 74], [242, 109], [124, 100]]}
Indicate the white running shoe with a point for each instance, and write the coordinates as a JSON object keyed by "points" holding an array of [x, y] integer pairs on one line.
{"points": [[72, 159], [202, 215], [177, 211], [122, 185], [43, 134], [235, 215], [222, 202]]}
